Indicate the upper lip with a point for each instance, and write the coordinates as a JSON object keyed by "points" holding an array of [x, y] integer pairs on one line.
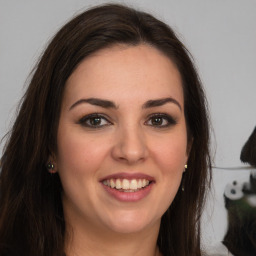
{"points": [[128, 176]]}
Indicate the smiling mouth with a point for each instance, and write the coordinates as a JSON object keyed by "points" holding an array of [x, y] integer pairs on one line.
{"points": [[125, 185]]}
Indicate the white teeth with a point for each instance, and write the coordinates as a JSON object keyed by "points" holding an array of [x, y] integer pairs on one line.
{"points": [[112, 183], [126, 185], [139, 184], [133, 184], [118, 184]]}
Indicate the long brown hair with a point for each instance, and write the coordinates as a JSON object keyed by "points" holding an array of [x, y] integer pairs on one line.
{"points": [[31, 215]]}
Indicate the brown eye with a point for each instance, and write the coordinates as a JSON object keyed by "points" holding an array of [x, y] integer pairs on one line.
{"points": [[94, 121], [157, 121], [160, 121]]}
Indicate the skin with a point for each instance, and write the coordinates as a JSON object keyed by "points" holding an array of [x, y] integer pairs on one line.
{"points": [[128, 140]]}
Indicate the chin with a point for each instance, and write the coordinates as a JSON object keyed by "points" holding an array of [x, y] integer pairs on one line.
{"points": [[127, 223], [128, 228]]}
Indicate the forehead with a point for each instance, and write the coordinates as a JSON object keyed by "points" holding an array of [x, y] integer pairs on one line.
{"points": [[124, 73]]}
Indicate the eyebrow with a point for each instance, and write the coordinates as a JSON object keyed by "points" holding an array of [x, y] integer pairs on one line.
{"points": [[110, 104], [96, 102], [160, 102]]}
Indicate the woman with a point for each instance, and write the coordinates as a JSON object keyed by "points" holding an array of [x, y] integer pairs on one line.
{"points": [[96, 161]]}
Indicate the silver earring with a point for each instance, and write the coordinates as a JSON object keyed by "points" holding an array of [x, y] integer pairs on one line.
{"points": [[50, 166]]}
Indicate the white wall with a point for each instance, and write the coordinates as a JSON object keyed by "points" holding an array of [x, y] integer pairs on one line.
{"points": [[221, 34]]}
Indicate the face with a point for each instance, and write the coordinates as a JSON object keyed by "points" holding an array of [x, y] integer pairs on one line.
{"points": [[122, 139]]}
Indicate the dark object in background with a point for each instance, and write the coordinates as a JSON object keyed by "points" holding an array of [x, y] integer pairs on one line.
{"points": [[248, 153], [240, 202]]}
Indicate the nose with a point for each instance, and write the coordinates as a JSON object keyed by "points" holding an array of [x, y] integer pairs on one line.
{"points": [[130, 145]]}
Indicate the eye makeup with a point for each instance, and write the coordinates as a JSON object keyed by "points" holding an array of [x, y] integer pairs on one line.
{"points": [[160, 120], [94, 121], [99, 120]]}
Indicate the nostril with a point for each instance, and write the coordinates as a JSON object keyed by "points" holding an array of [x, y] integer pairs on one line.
{"points": [[129, 153]]}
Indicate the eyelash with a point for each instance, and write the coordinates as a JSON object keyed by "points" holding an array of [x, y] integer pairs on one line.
{"points": [[92, 117], [170, 121]]}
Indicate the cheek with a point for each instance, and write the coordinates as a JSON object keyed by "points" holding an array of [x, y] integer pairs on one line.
{"points": [[171, 154], [170, 157], [79, 160]]}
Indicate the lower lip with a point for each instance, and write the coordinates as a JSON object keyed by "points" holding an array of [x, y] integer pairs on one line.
{"points": [[129, 196]]}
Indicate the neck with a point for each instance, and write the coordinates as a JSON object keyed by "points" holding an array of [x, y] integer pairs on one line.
{"points": [[99, 242]]}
